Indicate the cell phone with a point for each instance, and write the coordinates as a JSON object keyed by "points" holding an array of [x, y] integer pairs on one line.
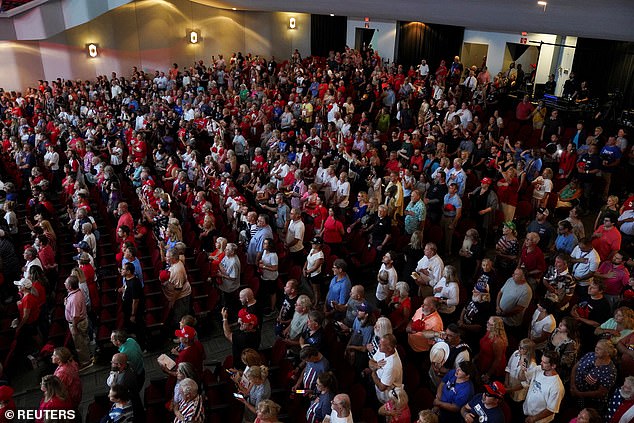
{"points": [[235, 395], [300, 391], [230, 372]]}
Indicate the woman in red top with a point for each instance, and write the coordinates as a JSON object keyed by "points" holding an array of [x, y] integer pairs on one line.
{"points": [[400, 306], [68, 373], [171, 173], [333, 230], [491, 360], [567, 161], [55, 396]]}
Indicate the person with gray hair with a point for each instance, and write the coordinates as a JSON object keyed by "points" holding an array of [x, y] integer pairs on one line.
{"points": [[190, 408], [229, 272]]}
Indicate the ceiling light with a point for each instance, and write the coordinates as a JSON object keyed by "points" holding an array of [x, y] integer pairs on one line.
{"points": [[542, 3], [332, 14], [193, 36], [292, 23], [233, 8]]}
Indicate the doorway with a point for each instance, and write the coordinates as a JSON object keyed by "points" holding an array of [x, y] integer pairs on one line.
{"points": [[362, 38], [474, 54]]}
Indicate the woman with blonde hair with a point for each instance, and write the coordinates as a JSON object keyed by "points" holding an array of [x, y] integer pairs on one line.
{"points": [[617, 327], [267, 412], [250, 358], [594, 376], [396, 409], [447, 294], [68, 373], [491, 360], [259, 390], [523, 357], [55, 396]]}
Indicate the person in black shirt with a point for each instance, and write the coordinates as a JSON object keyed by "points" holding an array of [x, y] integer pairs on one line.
{"points": [[474, 316], [588, 166], [591, 313], [287, 310], [313, 335], [380, 232], [132, 303], [245, 337], [435, 196]]}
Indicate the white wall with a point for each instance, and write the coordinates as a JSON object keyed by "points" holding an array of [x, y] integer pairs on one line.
{"points": [[383, 40], [497, 46], [564, 63]]}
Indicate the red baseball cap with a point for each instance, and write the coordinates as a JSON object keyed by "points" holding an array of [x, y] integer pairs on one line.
{"points": [[486, 180], [496, 389], [186, 332], [247, 317]]}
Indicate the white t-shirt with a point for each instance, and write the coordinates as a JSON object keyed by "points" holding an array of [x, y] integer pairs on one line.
{"points": [[52, 157], [543, 187], [311, 259], [544, 392], [343, 190], [334, 418], [581, 269], [547, 324], [391, 374], [383, 290], [513, 369], [295, 231]]}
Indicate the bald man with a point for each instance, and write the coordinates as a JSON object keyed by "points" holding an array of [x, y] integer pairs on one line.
{"points": [[122, 374]]}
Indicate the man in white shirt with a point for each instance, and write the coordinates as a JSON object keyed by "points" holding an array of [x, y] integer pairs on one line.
{"points": [[385, 288], [423, 69], [545, 391], [294, 239], [465, 115], [429, 270], [386, 369], [585, 261]]}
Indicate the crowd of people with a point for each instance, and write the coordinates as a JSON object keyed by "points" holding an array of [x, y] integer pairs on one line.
{"points": [[418, 252]]}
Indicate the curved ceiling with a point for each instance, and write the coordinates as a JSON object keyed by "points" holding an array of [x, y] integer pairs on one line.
{"points": [[606, 19]]}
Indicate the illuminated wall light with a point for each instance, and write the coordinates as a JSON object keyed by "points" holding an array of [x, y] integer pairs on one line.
{"points": [[292, 23], [92, 49], [543, 4], [193, 36]]}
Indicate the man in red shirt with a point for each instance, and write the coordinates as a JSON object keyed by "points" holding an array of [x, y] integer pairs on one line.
{"points": [[532, 259], [125, 217], [607, 239], [524, 110]]}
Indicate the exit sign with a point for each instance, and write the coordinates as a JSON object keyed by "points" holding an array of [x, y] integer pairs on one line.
{"points": [[523, 40]]}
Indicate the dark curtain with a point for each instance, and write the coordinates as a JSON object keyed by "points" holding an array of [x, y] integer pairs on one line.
{"points": [[327, 33], [366, 37], [607, 66], [416, 41]]}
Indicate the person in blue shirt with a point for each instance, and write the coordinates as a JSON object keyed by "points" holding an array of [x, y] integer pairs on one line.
{"points": [[485, 407], [566, 241], [610, 160], [454, 392], [458, 176], [533, 164], [339, 289]]}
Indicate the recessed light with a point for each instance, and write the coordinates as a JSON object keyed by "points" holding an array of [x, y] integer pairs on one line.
{"points": [[332, 14], [542, 3]]}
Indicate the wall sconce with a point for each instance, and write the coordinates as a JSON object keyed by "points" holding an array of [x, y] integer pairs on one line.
{"points": [[92, 49], [292, 23], [193, 36]]}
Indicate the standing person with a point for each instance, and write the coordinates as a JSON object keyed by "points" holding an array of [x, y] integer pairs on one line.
{"points": [[387, 279], [341, 411], [545, 390], [429, 270], [491, 359], [415, 213], [320, 407], [522, 360], [386, 369], [426, 324], [591, 313], [451, 214], [294, 238], [454, 392], [513, 299], [55, 396], [615, 277], [593, 376], [229, 272], [259, 389], [132, 350], [176, 288], [339, 288], [485, 407], [610, 159], [485, 206], [68, 373], [255, 248], [132, 302], [312, 269], [77, 317], [121, 410], [268, 267], [606, 239]]}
